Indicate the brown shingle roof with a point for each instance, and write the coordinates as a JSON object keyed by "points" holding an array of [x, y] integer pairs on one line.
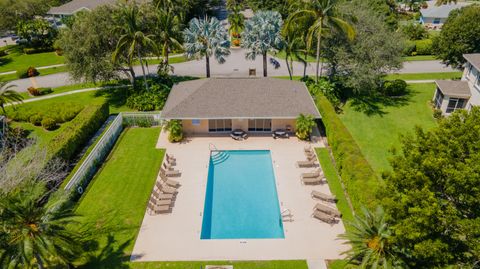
{"points": [[222, 98], [474, 59], [453, 88], [77, 5]]}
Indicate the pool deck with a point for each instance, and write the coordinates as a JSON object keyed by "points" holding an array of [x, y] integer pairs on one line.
{"points": [[176, 236]]}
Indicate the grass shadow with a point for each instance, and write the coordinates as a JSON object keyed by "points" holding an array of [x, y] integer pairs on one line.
{"points": [[116, 97], [5, 60], [111, 255], [375, 104]]}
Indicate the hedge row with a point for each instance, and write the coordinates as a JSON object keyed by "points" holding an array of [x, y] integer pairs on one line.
{"points": [[78, 131], [358, 176]]}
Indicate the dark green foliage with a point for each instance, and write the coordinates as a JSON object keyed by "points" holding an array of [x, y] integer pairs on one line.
{"points": [[460, 35], [27, 72], [437, 114], [281, 6], [77, 132], [414, 31], [60, 113], [358, 176], [424, 47], [410, 48], [175, 130], [44, 91], [49, 124], [149, 100], [327, 88], [36, 50], [36, 120], [38, 33], [397, 87], [432, 195]]}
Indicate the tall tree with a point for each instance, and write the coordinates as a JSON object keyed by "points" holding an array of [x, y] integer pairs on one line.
{"points": [[460, 35], [35, 233], [324, 15], [262, 34], [169, 32], [206, 38], [236, 20], [135, 41], [8, 96], [432, 195]]}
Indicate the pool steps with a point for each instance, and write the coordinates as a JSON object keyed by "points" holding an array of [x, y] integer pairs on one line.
{"points": [[219, 157]]}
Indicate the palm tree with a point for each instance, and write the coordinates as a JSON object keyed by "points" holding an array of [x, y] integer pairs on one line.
{"points": [[206, 38], [323, 15], [304, 125], [8, 96], [169, 33], [262, 35], [134, 40], [236, 20], [370, 241], [35, 234]]}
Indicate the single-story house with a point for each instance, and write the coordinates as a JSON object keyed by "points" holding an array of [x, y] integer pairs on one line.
{"points": [[435, 16], [451, 95], [74, 6], [219, 105]]}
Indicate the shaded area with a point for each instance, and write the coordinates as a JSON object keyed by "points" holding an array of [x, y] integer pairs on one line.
{"points": [[376, 104]]}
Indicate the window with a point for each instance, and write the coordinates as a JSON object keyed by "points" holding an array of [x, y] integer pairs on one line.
{"points": [[436, 21], [195, 122], [438, 99], [470, 71], [478, 81], [260, 125], [455, 103], [219, 125]]}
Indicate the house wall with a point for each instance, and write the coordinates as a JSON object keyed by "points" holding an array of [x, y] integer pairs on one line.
{"points": [[473, 79], [191, 129], [282, 123], [202, 128]]}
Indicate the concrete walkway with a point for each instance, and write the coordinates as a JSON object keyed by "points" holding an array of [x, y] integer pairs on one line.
{"points": [[235, 66]]}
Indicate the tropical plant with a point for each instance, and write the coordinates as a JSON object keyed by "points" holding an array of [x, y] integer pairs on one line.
{"points": [[236, 20], [134, 39], [169, 32], [206, 38], [262, 35], [175, 129], [370, 241], [8, 96], [445, 2], [304, 126], [35, 233], [323, 14]]}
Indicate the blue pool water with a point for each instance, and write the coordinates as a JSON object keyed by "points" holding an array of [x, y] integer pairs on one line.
{"points": [[241, 198]]}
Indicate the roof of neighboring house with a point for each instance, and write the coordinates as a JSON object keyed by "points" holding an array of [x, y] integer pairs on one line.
{"points": [[474, 59], [74, 6], [442, 11], [454, 88], [228, 98]]}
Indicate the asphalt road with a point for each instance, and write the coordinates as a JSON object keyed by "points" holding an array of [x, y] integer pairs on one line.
{"points": [[235, 66]]}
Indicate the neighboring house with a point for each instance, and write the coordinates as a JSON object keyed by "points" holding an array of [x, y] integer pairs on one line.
{"points": [[220, 105], [435, 16], [75, 6], [452, 95]]}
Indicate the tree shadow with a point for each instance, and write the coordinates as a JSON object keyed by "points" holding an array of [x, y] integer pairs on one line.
{"points": [[116, 97], [375, 104], [111, 255], [5, 60]]}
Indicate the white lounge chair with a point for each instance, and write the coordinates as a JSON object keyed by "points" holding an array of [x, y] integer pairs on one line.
{"points": [[328, 210], [169, 182], [324, 217], [170, 173], [324, 197], [153, 209], [165, 189], [308, 163], [170, 157], [315, 173], [162, 196], [313, 180]]}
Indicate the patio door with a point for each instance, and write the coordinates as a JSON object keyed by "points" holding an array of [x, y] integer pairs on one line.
{"points": [[260, 125], [215, 126]]}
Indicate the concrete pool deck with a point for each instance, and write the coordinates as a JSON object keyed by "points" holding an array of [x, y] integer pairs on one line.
{"points": [[176, 236]]}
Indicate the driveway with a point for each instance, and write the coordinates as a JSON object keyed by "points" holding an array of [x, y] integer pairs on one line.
{"points": [[235, 66]]}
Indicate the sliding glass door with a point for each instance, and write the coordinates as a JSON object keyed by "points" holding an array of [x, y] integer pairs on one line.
{"points": [[219, 125], [260, 125]]}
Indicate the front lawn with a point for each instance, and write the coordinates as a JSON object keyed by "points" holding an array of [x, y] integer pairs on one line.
{"points": [[419, 58], [376, 126], [18, 60], [425, 76]]}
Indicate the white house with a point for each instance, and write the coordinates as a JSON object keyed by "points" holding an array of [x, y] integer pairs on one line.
{"points": [[451, 95], [74, 6], [435, 16]]}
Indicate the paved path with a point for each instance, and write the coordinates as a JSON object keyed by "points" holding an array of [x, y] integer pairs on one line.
{"points": [[235, 66]]}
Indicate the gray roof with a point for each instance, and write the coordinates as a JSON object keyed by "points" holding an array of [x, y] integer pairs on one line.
{"points": [[441, 11], [74, 6], [474, 59], [454, 88], [228, 98]]}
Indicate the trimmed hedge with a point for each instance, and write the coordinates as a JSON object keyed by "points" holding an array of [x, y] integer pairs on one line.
{"points": [[60, 113], [77, 132], [360, 180], [424, 47]]}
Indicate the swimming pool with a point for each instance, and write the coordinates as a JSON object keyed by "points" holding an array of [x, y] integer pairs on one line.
{"points": [[241, 199]]}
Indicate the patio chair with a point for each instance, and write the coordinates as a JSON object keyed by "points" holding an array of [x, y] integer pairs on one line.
{"points": [[310, 155], [315, 173], [324, 197], [160, 202], [312, 180], [238, 134], [170, 173], [308, 149], [165, 189], [167, 166], [308, 163], [324, 217], [170, 162], [169, 182], [162, 196], [153, 209], [328, 210], [170, 157]]}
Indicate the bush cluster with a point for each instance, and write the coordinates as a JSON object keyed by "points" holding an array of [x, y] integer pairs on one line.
{"points": [[59, 113], [359, 179], [39, 91], [49, 124], [153, 99], [397, 87], [77, 132], [27, 72], [418, 47], [36, 50]]}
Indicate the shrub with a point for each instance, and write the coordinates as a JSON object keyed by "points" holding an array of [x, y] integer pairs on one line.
{"points": [[60, 113], [437, 114], [32, 72], [414, 31], [33, 91], [359, 179], [304, 126], [409, 48], [77, 132], [424, 47], [49, 124], [22, 73], [236, 42], [175, 129], [396, 87], [153, 99], [36, 120], [44, 91], [36, 50]]}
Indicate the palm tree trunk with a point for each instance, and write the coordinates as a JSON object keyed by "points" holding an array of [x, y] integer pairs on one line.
{"points": [[165, 53], [143, 69], [3, 109], [305, 65], [319, 36], [288, 65], [39, 261], [265, 64], [207, 62]]}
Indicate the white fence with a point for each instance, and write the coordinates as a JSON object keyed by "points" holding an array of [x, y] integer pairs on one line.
{"points": [[90, 165]]}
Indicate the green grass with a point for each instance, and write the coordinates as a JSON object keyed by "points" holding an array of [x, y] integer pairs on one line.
{"points": [[376, 126], [338, 264], [43, 72], [295, 264], [419, 58], [68, 88], [18, 60], [281, 55], [426, 76]]}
